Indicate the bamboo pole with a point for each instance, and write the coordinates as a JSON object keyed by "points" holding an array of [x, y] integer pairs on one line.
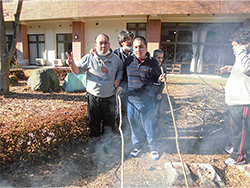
{"points": [[175, 128], [122, 139]]}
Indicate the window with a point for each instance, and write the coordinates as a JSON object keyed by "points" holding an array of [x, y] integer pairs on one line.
{"points": [[8, 41], [176, 42], [139, 29], [184, 36], [36, 47], [207, 42], [64, 44]]}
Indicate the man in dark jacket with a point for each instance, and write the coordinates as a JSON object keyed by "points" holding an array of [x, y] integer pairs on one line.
{"points": [[125, 39], [141, 72], [158, 54]]}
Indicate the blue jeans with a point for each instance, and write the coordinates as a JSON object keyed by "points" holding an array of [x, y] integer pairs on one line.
{"points": [[142, 120]]}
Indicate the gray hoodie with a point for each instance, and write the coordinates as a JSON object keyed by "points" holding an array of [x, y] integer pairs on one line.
{"points": [[237, 90], [102, 71]]}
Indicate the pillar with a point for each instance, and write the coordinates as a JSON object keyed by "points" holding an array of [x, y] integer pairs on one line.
{"points": [[246, 24], [78, 39], [153, 34], [22, 49]]}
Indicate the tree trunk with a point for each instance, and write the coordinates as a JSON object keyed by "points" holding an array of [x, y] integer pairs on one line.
{"points": [[5, 57]]}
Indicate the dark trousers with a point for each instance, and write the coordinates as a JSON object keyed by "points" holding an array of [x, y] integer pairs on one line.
{"points": [[101, 113], [239, 130]]}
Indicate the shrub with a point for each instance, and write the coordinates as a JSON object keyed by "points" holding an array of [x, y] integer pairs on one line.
{"points": [[61, 72], [13, 80], [19, 73], [39, 137]]}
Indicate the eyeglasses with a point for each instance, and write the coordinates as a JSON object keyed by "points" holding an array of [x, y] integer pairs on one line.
{"points": [[129, 40]]}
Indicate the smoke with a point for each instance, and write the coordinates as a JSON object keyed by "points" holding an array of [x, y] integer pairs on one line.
{"points": [[4, 183], [199, 114], [79, 165], [85, 163], [107, 153]]}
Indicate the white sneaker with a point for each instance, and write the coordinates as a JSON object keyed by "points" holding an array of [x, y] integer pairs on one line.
{"points": [[154, 155], [232, 162], [135, 152], [229, 149]]}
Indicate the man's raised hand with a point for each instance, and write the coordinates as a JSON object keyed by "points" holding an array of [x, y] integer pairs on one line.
{"points": [[224, 69], [70, 61]]}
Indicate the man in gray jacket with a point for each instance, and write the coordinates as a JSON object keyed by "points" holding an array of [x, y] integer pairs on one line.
{"points": [[237, 97], [104, 73]]}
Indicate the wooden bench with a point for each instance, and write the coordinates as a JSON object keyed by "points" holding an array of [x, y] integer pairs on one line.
{"points": [[217, 69], [176, 68], [169, 68], [208, 68]]}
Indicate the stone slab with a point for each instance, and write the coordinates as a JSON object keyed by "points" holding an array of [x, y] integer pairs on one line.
{"points": [[245, 168], [175, 174], [207, 175]]}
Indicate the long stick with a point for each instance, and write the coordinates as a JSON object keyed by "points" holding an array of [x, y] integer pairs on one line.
{"points": [[175, 128], [122, 139]]}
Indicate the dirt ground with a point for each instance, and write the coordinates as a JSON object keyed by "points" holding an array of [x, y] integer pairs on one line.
{"points": [[199, 109]]}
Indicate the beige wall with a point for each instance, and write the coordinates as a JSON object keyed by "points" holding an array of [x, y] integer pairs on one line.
{"points": [[111, 28]]}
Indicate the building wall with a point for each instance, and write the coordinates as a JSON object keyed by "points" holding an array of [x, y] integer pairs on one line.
{"points": [[49, 29], [92, 28], [51, 17], [78, 39], [111, 27]]}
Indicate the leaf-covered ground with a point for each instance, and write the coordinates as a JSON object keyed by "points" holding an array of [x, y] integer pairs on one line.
{"points": [[199, 111]]}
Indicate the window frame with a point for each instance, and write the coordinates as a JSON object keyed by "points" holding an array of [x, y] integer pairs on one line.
{"points": [[199, 27], [37, 42], [65, 43], [136, 30]]}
